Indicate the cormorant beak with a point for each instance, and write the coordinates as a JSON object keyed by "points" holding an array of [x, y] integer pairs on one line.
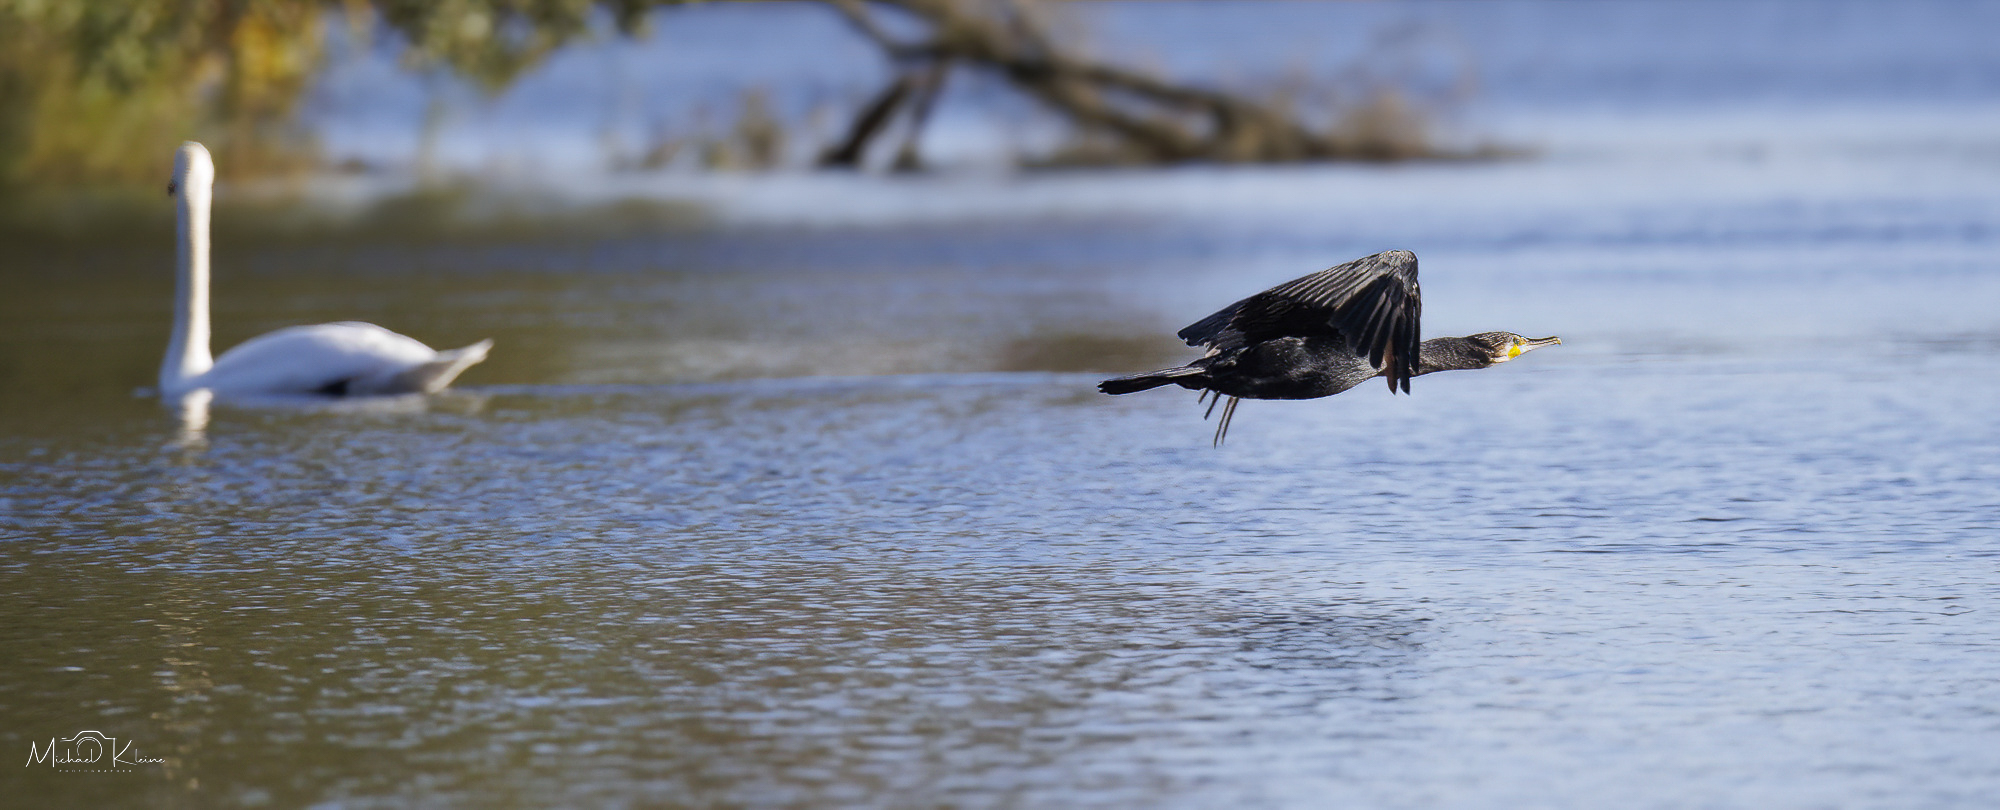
{"points": [[1530, 344]]}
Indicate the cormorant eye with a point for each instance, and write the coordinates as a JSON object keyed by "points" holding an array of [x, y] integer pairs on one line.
{"points": [[171, 186]]}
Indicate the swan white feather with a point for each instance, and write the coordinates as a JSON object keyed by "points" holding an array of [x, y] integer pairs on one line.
{"points": [[348, 358]]}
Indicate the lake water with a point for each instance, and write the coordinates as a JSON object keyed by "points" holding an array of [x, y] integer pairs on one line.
{"points": [[815, 504]]}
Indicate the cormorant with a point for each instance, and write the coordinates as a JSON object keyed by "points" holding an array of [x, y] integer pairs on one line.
{"points": [[1320, 335]]}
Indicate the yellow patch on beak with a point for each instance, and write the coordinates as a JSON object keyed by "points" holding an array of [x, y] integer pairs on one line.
{"points": [[1516, 350]]}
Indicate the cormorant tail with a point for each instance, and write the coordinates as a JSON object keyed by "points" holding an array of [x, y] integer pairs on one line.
{"points": [[1148, 381]]}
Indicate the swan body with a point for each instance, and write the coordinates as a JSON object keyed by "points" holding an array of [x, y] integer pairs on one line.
{"points": [[341, 359]]}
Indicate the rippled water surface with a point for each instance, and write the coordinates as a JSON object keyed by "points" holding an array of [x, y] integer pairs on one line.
{"points": [[818, 506]]}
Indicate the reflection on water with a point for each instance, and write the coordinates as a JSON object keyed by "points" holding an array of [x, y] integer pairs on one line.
{"points": [[191, 411], [688, 541], [1688, 551], [1002, 588]]}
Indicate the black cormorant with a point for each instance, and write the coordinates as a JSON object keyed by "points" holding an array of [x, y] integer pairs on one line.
{"points": [[1323, 334]]}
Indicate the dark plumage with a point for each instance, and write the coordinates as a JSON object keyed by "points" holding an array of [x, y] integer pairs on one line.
{"points": [[1323, 334]]}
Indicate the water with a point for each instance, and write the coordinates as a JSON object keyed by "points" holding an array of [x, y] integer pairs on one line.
{"points": [[817, 506]]}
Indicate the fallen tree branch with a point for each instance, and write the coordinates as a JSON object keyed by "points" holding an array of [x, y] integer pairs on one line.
{"points": [[1133, 113]]}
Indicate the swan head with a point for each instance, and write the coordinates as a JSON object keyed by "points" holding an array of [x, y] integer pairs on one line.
{"points": [[194, 171]]}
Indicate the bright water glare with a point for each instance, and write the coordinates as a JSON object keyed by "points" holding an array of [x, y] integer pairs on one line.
{"points": [[817, 506]]}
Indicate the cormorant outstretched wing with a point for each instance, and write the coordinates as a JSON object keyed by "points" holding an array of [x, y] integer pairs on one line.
{"points": [[1373, 302]]}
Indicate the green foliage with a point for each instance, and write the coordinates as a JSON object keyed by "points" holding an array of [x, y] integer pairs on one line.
{"points": [[96, 92], [490, 42], [85, 86]]}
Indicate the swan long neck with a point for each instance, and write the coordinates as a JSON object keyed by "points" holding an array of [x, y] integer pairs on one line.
{"points": [[187, 351]]}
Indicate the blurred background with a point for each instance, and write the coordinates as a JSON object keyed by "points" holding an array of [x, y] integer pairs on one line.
{"points": [[973, 185], [786, 483]]}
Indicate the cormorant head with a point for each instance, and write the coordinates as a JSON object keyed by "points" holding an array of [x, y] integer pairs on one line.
{"points": [[1501, 347]]}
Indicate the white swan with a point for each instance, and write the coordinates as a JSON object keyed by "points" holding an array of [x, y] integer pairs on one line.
{"points": [[344, 358]]}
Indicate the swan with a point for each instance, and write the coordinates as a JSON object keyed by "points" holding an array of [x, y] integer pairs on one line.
{"points": [[340, 359]]}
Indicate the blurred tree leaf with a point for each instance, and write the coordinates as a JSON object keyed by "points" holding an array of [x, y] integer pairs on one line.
{"points": [[490, 42], [96, 91], [82, 83]]}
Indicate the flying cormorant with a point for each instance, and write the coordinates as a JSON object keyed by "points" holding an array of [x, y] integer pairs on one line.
{"points": [[1320, 335]]}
